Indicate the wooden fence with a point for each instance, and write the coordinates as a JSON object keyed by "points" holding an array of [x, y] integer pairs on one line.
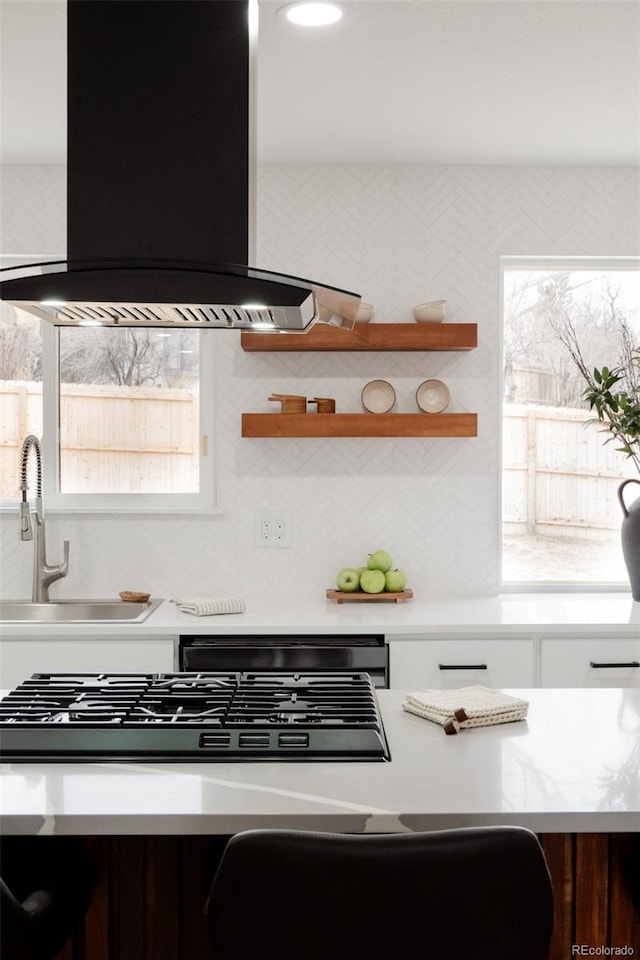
{"points": [[113, 439], [559, 478]]}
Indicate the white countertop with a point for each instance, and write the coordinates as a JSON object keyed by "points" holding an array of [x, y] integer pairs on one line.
{"points": [[572, 766], [505, 615]]}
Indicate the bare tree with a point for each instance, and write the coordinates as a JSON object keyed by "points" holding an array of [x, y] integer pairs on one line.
{"points": [[127, 357], [543, 314], [605, 336], [530, 342], [134, 361], [612, 392], [20, 348]]}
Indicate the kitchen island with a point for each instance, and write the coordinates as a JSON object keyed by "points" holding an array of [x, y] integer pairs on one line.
{"points": [[570, 772], [572, 766]]}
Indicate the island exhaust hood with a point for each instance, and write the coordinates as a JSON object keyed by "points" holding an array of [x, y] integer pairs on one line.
{"points": [[161, 178]]}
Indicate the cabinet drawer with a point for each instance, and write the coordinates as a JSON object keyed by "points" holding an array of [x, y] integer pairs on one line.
{"points": [[20, 658], [591, 663], [459, 663]]}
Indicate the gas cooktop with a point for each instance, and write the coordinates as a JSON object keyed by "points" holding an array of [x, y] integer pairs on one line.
{"points": [[192, 716]]}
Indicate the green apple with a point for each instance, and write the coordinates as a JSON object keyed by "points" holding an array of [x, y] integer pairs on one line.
{"points": [[395, 581], [348, 580], [380, 560], [372, 581]]}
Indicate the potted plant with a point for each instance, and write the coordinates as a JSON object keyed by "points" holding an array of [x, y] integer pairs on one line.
{"points": [[614, 395]]}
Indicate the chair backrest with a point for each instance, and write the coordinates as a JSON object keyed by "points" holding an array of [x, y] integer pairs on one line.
{"points": [[466, 894], [44, 891], [16, 936]]}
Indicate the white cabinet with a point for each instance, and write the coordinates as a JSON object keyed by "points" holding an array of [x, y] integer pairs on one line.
{"points": [[20, 658], [610, 662], [446, 663]]}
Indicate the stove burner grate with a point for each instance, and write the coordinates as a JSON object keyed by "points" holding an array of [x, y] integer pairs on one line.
{"points": [[90, 716]]}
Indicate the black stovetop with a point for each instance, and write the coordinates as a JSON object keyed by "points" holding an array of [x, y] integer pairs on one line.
{"points": [[192, 716]]}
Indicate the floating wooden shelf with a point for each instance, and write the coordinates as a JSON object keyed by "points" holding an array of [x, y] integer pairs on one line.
{"points": [[367, 336], [370, 336], [359, 424]]}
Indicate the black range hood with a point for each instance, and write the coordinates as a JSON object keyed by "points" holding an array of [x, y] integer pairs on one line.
{"points": [[160, 178]]}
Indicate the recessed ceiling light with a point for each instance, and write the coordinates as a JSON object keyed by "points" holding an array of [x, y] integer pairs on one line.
{"points": [[312, 13]]}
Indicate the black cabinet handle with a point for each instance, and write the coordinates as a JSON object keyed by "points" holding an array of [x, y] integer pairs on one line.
{"points": [[462, 666], [600, 666]]}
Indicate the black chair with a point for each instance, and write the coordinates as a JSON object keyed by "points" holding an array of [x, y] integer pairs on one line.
{"points": [[45, 888], [467, 894]]}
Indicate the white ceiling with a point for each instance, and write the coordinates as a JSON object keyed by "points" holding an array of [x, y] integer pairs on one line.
{"points": [[396, 81]]}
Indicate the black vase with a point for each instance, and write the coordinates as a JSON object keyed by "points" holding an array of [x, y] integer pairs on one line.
{"points": [[630, 536]]}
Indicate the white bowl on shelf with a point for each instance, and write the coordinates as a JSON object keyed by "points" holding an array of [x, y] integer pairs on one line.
{"points": [[433, 396], [364, 312], [432, 312], [378, 396]]}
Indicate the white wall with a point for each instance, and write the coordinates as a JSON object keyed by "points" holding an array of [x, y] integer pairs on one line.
{"points": [[398, 235]]}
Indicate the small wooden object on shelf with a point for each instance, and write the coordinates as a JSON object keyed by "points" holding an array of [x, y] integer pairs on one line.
{"points": [[340, 596], [324, 404], [290, 403]]}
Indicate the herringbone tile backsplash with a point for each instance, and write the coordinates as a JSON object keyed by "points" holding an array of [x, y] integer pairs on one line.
{"points": [[400, 236]]}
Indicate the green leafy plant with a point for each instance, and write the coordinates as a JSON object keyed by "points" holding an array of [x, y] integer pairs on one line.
{"points": [[614, 395]]}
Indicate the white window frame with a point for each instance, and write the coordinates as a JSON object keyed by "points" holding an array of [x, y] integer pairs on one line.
{"points": [[58, 503], [539, 262]]}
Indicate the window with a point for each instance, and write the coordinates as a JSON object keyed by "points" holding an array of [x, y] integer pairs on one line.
{"points": [[560, 514], [131, 408]]}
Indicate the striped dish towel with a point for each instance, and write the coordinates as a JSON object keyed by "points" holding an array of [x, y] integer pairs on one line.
{"points": [[211, 602], [465, 707]]}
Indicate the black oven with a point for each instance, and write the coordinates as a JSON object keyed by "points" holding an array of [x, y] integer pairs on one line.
{"points": [[294, 653]]}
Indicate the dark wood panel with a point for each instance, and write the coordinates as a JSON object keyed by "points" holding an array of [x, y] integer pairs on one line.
{"points": [[199, 860], [69, 951], [149, 895], [126, 898], [96, 924], [624, 869], [592, 889], [559, 850], [161, 906]]}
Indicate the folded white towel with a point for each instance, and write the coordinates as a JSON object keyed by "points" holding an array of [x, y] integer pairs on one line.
{"points": [[211, 602], [480, 707]]}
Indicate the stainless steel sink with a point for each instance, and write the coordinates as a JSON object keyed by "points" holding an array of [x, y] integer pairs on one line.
{"points": [[75, 611]]}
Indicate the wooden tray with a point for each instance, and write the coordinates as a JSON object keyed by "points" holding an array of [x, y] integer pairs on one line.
{"points": [[341, 595]]}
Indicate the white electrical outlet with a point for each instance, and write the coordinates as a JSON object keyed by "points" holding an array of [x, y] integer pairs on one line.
{"points": [[273, 528]]}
